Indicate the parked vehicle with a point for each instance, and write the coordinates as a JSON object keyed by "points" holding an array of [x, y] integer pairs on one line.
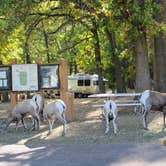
{"points": [[82, 85]]}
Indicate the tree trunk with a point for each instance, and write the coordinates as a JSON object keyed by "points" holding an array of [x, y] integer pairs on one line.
{"points": [[46, 45], [26, 49], [160, 52], [142, 65], [120, 85], [154, 83], [94, 30]]}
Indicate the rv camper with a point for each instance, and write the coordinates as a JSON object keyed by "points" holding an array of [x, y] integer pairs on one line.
{"points": [[82, 85]]}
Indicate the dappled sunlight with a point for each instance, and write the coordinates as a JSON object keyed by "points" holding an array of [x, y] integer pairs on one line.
{"points": [[41, 135], [12, 149], [20, 154], [85, 102], [88, 101], [94, 114], [135, 162], [56, 132], [74, 128], [156, 124], [87, 127]]}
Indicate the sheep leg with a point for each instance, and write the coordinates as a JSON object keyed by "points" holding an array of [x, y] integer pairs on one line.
{"points": [[106, 124], [63, 120], [25, 127], [52, 123], [164, 114], [50, 126], [36, 120], [41, 115], [17, 122], [145, 119], [64, 125], [115, 126], [34, 124]]}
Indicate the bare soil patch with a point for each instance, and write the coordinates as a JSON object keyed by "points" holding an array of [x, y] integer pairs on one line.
{"points": [[88, 128]]}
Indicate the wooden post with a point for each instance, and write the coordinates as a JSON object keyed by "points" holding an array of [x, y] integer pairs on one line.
{"points": [[13, 95], [66, 96], [39, 61]]}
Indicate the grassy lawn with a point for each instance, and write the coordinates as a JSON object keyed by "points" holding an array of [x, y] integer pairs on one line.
{"points": [[87, 127]]}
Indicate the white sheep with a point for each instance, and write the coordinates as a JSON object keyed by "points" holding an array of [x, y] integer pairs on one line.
{"points": [[152, 100], [20, 111], [54, 110], [40, 103], [110, 113]]}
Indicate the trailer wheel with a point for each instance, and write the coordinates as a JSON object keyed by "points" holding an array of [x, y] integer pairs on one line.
{"points": [[79, 95], [85, 95]]}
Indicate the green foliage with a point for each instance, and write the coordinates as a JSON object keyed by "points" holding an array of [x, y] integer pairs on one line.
{"points": [[67, 26]]}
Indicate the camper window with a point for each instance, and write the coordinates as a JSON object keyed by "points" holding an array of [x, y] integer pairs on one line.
{"points": [[83, 83], [80, 82], [87, 82]]}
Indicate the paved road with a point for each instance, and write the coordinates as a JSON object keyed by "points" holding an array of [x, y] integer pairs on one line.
{"points": [[121, 154]]}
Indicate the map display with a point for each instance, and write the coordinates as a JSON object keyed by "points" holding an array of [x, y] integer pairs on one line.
{"points": [[24, 77]]}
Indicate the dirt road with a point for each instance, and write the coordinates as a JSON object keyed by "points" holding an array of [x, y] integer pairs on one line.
{"points": [[118, 154]]}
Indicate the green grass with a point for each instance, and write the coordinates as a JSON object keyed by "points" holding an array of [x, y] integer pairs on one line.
{"points": [[88, 128]]}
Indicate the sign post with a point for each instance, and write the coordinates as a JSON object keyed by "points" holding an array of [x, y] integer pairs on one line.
{"points": [[39, 62], [36, 77], [13, 95], [65, 95]]}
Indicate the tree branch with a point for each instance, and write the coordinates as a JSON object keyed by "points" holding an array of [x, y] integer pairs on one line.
{"points": [[51, 15], [67, 22], [73, 45]]}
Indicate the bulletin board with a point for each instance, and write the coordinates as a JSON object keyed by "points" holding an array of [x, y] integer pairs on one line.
{"points": [[5, 77], [49, 76], [24, 77]]}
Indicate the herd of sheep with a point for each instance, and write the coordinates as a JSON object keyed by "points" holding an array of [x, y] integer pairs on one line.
{"points": [[57, 109], [35, 107]]}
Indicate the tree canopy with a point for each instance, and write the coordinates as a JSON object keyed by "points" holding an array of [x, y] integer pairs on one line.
{"points": [[113, 38]]}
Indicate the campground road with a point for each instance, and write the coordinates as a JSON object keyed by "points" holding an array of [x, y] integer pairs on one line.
{"points": [[118, 154]]}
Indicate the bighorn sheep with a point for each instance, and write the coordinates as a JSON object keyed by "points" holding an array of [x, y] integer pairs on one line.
{"points": [[110, 113], [54, 110], [40, 103], [21, 110], [153, 100]]}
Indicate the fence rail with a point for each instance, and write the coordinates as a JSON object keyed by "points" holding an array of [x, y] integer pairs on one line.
{"points": [[120, 103]]}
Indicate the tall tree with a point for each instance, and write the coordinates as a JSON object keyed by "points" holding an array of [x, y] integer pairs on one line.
{"points": [[142, 64], [160, 51], [97, 52], [115, 59]]}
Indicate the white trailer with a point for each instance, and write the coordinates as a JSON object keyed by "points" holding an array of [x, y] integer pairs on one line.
{"points": [[82, 85]]}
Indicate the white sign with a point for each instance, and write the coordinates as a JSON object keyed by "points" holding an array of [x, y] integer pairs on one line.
{"points": [[24, 77]]}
